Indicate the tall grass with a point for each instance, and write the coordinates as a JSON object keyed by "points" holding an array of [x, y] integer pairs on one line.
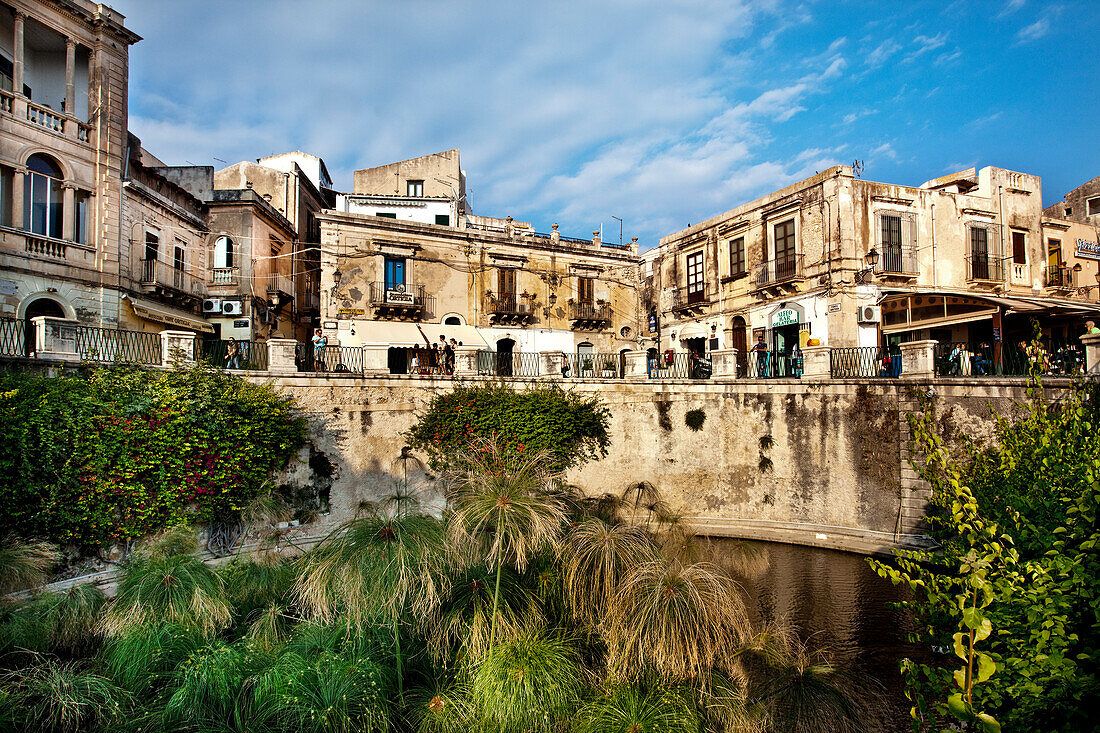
{"points": [[466, 616], [635, 709], [24, 564], [596, 556], [173, 589], [65, 698]]}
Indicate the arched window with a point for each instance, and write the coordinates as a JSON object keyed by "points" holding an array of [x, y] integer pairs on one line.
{"points": [[452, 321], [223, 253], [42, 196]]}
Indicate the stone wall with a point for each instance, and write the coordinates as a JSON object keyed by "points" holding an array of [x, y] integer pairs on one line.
{"points": [[823, 464]]}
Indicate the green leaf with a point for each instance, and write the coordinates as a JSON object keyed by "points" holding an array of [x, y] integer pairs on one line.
{"points": [[986, 667], [958, 706], [989, 725]]}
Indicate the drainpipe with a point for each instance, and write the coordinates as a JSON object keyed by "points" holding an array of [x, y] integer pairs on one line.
{"points": [[1001, 218], [935, 280]]}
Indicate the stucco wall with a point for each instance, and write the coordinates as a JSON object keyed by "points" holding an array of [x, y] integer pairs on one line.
{"points": [[820, 464]]}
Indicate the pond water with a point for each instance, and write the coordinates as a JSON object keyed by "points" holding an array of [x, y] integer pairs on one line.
{"points": [[835, 601]]}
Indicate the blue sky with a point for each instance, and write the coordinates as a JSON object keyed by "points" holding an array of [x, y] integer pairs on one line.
{"points": [[660, 113]]}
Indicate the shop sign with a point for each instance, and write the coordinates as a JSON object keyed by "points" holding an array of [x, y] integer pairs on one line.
{"points": [[786, 317], [7, 287], [350, 312], [1087, 249], [243, 323], [399, 297]]}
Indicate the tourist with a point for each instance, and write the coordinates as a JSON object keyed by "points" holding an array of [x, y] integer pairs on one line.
{"points": [[232, 354], [448, 357], [1091, 328], [761, 350], [320, 341]]}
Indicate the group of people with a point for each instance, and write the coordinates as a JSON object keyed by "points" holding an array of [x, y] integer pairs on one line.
{"points": [[439, 358]]}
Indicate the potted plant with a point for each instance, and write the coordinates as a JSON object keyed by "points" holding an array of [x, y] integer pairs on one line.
{"points": [[609, 368], [586, 366]]}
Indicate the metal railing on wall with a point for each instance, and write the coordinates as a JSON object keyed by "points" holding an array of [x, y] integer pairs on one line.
{"points": [[508, 363], [864, 362], [251, 355], [774, 365], [13, 337], [113, 345], [593, 365]]}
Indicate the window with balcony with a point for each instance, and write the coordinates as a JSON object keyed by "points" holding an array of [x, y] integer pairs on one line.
{"points": [[81, 207], [783, 235], [1019, 248], [896, 240], [414, 188], [984, 261], [42, 197], [737, 257], [585, 289], [223, 253], [394, 273], [152, 246], [7, 180], [696, 284]]}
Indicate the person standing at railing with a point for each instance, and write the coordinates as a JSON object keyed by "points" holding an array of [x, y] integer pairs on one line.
{"points": [[232, 354], [761, 350], [320, 341], [1090, 327], [448, 356]]}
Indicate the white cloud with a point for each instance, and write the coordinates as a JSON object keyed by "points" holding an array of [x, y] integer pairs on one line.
{"points": [[1034, 31]]}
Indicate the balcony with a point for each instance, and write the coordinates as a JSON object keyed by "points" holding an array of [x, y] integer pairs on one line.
{"points": [[56, 122], [984, 269], [781, 275], [279, 286], [898, 262], [170, 283], [1059, 277], [401, 300], [509, 309], [690, 297], [225, 276], [590, 316]]}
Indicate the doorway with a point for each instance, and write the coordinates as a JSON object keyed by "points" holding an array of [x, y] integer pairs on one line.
{"points": [[36, 308], [741, 344], [505, 354]]}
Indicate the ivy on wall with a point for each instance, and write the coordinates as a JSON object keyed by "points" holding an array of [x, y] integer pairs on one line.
{"points": [[114, 453], [571, 428]]}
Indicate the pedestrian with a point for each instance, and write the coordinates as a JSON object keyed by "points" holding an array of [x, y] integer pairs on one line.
{"points": [[320, 341], [448, 357], [1090, 327], [232, 354], [761, 350]]}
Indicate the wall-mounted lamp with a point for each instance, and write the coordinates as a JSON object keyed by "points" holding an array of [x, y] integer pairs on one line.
{"points": [[552, 299], [871, 258]]}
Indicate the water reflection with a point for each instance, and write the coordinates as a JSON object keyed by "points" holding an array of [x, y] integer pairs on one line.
{"points": [[833, 599]]}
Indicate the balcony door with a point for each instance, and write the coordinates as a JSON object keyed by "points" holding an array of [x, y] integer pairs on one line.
{"points": [[979, 252], [891, 244], [696, 285], [178, 267], [784, 250], [395, 274], [506, 285]]}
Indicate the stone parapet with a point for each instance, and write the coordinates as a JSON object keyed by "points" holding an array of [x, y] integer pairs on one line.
{"points": [[177, 346], [1091, 342], [918, 359], [815, 362], [55, 338], [724, 363], [280, 356]]}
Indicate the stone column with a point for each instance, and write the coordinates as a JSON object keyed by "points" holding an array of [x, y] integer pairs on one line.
{"points": [[177, 347], [55, 338], [552, 363], [1091, 342], [376, 361], [68, 209], [18, 181], [280, 356], [918, 360], [466, 361], [70, 76], [636, 365], [17, 63], [724, 363], [815, 362]]}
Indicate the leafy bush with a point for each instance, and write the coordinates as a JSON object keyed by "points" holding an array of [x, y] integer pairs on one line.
{"points": [[569, 427], [114, 454]]}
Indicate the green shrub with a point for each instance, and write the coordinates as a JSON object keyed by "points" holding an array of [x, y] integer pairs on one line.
{"points": [[571, 428], [115, 454]]}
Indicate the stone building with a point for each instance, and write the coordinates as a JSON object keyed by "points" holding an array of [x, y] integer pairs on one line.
{"points": [[851, 263], [63, 150], [398, 283]]}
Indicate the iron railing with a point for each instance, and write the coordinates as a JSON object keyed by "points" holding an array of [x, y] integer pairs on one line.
{"points": [[774, 365], [155, 272], [864, 362], [690, 295], [107, 345], [898, 261], [509, 304], [593, 365], [585, 311], [779, 270], [402, 296], [1058, 276], [508, 363], [251, 355], [13, 337], [960, 359], [678, 365], [425, 361], [985, 267]]}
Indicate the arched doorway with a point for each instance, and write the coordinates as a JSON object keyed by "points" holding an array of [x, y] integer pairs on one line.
{"points": [[505, 349], [651, 363], [622, 362], [741, 343], [38, 307]]}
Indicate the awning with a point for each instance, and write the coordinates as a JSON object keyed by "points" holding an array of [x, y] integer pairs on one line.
{"points": [[692, 331], [168, 317], [939, 322], [382, 333]]}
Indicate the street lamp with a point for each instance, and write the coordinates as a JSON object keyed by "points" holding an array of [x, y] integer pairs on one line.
{"points": [[871, 258]]}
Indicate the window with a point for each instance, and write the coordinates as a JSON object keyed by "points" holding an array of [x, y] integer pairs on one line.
{"points": [[178, 266], [444, 219], [896, 240], [415, 188], [737, 256], [984, 264], [1019, 248], [395, 272], [696, 286], [81, 199], [1093, 206], [7, 179], [152, 246], [585, 288], [387, 214], [42, 207], [784, 245], [223, 253], [506, 279]]}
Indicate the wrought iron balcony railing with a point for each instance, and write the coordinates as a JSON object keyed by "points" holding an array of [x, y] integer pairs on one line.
{"points": [[690, 295], [779, 270]]}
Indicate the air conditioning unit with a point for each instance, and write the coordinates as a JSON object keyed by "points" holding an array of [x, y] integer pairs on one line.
{"points": [[232, 307], [869, 314], [212, 305]]}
